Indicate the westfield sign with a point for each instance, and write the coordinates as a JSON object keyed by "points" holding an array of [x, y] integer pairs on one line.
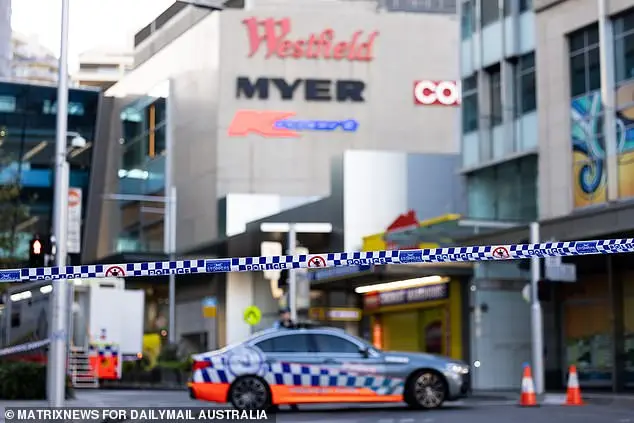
{"points": [[275, 38]]}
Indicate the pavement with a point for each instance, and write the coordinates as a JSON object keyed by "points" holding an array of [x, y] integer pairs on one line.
{"points": [[481, 408]]}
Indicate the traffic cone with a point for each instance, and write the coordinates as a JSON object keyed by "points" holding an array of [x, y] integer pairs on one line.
{"points": [[528, 397], [573, 394]]}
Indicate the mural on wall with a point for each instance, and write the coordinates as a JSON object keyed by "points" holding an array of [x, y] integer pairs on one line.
{"points": [[589, 173]]}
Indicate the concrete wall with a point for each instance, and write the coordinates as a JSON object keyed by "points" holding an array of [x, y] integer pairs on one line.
{"points": [[553, 23]]}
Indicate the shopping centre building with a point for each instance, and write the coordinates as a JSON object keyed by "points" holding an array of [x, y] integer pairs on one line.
{"points": [[273, 114]]}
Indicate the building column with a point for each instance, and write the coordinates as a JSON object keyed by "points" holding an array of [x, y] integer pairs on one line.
{"points": [[508, 38], [606, 41], [615, 286], [238, 296]]}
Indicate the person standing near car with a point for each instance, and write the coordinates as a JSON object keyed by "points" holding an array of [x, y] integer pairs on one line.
{"points": [[285, 321]]}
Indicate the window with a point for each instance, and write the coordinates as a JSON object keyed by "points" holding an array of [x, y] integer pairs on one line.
{"points": [[504, 192], [495, 96], [49, 107], [7, 104], [624, 46], [508, 7], [470, 104], [585, 73], [134, 153], [525, 91], [295, 343], [335, 344], [467, 20], [489, 12], [526, 5]]}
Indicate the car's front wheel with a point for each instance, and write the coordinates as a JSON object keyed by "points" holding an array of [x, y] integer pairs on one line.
{"points": [[250, 393], [426, 390]]}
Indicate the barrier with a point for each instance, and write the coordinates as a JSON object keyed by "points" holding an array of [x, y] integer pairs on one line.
{"points": [[251, 264], [24, 347], [327, 260]]}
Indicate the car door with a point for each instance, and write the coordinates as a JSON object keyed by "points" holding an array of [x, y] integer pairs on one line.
{"points": [[291, 362], [356, 375]]}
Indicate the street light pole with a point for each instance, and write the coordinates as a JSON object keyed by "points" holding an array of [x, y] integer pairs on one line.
{"points": [[536, 315], [57, 351], [292, 276], [169, 221]]}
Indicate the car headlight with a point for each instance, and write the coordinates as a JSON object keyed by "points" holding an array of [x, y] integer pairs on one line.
{"points": [[461, 369]]}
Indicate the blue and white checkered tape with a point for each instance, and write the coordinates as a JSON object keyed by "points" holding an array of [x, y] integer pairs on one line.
{"points": [[250, 264], [29, 346]]}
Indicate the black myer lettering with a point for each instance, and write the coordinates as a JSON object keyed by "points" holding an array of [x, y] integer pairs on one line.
{"points": [[168, 271], [314, 89]]}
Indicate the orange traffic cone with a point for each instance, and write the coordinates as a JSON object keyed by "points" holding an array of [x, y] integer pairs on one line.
{"points": [[573, 395], [528, 397]]}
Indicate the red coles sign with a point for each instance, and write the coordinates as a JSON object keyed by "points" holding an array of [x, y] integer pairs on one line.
{"points": [[443, 93], [274, 36]]}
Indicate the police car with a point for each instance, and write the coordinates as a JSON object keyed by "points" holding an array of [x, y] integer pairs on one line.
{"points": [[323, 365]]}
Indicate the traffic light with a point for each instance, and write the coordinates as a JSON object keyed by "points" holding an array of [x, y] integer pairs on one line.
{"points": [[36, 252]]}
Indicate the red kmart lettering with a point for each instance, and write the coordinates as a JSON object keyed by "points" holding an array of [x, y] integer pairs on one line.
{"points": [[274, 36]]}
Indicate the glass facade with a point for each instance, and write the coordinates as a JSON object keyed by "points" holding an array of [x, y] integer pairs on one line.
{"points": [[27, 146], [501, 190], [143, 173], [507, 191]]}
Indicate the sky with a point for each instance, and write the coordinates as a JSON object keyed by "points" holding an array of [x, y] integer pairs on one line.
{"points": [[93, 23]]}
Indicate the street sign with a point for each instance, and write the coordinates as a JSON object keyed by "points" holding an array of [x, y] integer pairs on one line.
{"points": [[562, 273], [552, 261], [252, 315]]}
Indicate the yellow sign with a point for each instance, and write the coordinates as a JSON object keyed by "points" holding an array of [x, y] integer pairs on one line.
{"points": [[209, 307], [252, 315], [377, 242]]}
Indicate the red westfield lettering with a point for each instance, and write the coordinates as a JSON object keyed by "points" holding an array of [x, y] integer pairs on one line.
{"points": [[274, 35], [260, 122], [444, 93]]}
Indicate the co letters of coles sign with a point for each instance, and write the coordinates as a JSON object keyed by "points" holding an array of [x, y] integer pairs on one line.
{"points": [[436, 93]]}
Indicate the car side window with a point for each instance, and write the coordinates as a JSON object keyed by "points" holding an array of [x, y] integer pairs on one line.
{"points": [[296, 343], [335, 344]]}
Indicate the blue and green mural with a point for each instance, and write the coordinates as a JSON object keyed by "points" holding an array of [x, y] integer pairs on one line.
{"points": [[588, 147]]}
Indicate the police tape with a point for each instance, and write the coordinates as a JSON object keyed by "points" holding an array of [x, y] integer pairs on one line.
{"points": [[29, 346], [327, 260]]}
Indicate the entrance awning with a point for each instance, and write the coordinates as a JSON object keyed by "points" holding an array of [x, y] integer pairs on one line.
{"points": [[388, 273]]}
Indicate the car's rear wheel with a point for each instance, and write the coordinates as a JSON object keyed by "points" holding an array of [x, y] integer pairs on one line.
{"points": [[250, 393], [426, 389]]}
